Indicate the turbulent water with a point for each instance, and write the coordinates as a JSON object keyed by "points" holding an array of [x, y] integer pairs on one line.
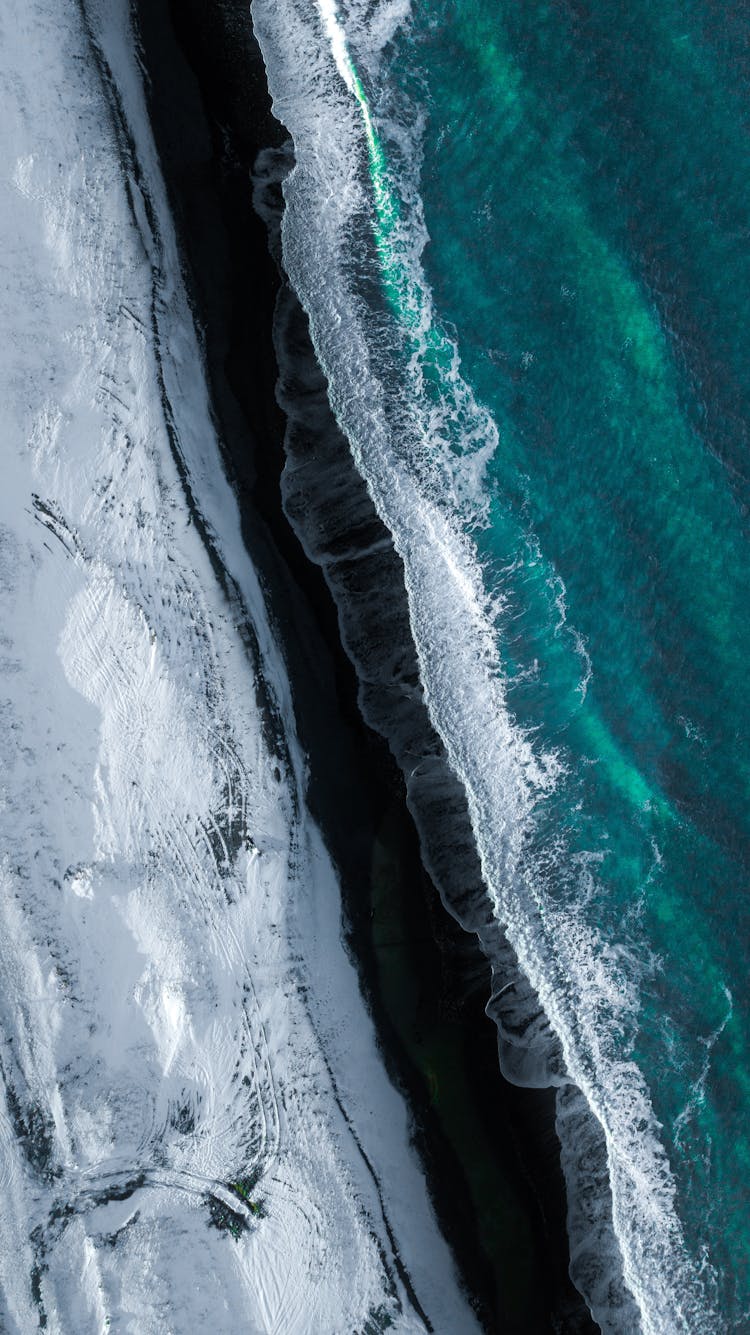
{"points": [[520, 234]]}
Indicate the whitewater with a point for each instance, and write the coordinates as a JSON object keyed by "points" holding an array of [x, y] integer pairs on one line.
{"points": [[352, 225], [196, 1125]]}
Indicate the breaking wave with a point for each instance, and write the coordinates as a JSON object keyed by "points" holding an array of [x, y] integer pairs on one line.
{"points": [[352, 238]]}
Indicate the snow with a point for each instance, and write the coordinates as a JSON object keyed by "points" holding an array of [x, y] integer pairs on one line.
{"points": [[177, 1010]]}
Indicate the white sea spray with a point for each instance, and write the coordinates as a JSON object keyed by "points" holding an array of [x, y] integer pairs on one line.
{"points": [[585, 986]]}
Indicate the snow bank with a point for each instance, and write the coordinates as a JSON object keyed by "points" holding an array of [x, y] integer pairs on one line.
{"points": [[197, 1132]]}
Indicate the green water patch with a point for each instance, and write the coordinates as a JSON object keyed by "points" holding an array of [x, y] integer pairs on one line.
{"points": [[658, 127]]}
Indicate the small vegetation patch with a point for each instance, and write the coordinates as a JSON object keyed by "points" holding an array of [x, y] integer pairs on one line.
{"points": [[244, 1187]]}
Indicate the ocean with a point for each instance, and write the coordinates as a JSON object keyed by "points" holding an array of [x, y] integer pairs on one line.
{"points": [[520, 235]]}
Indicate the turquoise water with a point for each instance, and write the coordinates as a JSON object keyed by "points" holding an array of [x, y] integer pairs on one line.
{"points": [[564, 372], [585, 188]]}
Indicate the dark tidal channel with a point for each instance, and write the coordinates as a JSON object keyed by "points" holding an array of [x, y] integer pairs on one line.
{"points": [[489, 1150]]}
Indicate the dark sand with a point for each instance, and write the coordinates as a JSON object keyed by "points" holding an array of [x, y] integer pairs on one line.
{"points": [[489, 1149]]}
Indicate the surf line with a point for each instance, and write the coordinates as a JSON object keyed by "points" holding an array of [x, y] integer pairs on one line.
{"points": [[386, 205], [403, 291], [412, 308]]}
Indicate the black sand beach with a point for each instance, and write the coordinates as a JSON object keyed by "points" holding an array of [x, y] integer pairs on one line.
{"points": [[489, 1149]]}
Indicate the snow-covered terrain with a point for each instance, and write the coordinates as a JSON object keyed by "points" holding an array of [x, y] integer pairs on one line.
{"points": [[197, 1131]]}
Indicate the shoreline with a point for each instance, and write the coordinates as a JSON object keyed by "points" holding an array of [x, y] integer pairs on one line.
{"points": [[207, 152]]}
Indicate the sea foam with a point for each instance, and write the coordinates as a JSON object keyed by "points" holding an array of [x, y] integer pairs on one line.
{"points": [[428, 492]]}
